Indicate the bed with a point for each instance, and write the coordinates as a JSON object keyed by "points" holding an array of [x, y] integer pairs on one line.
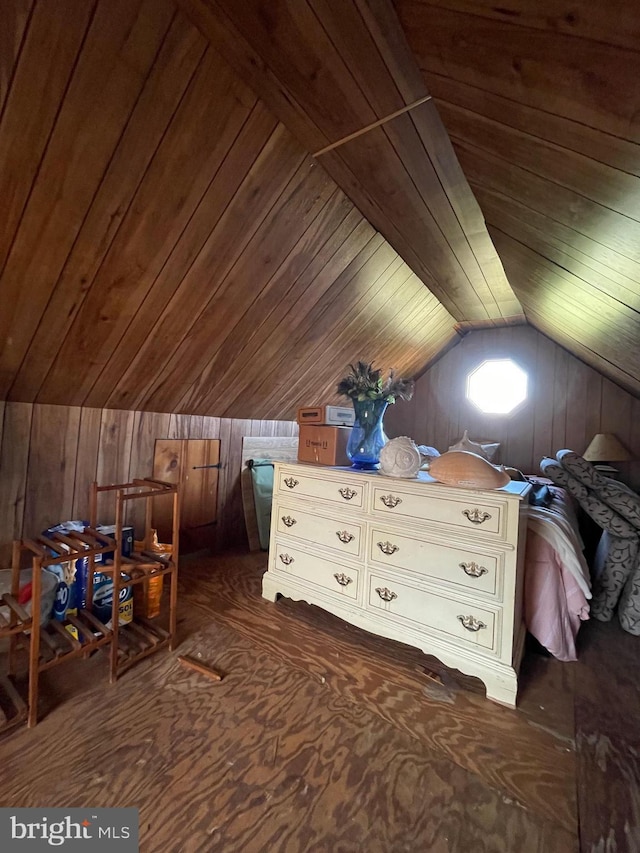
{"points": [[557, 581]]}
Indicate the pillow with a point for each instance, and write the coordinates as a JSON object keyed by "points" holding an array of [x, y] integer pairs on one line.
{"points": [[615, 494], [554, 471], [487, 451], [622, 499], [580, 468], [600, 512]]}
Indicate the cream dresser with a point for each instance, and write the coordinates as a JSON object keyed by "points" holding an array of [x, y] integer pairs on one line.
{"points": [[434, 566]]}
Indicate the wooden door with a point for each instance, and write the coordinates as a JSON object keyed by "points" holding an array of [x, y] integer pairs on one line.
{"points": [[194, 463]]}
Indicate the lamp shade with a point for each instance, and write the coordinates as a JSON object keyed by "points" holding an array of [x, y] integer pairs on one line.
{"points": [[606, 447]]}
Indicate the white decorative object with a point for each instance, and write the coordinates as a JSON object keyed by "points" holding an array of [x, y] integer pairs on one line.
{"points": [[400, 458], [436, 567], [488, 450], [428, 452]]}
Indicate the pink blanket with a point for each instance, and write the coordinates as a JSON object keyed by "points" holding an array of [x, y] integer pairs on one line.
{"points": [[557, 583]]}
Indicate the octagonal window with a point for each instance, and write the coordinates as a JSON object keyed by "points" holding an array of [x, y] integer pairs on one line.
{"points": [[497, 386]]}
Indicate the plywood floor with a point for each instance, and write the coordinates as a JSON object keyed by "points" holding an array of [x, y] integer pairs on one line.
{"points": [[321, 737]]}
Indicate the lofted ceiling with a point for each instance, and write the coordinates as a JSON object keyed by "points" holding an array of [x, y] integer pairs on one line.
{"points": [[213, 207], [541, 99]]}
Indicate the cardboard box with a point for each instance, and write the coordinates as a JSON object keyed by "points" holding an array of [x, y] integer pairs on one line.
{"points": [[147, 597], [324, 445], [332, 415]]}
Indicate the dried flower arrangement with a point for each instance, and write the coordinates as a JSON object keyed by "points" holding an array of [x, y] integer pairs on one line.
{"points": [[365, 383]]}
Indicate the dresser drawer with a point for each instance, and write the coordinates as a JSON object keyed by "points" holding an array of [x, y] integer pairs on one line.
{"points": [[342, 535], [480, 514], [426, 609], [469, 568], [343, 492], [330, 575]]}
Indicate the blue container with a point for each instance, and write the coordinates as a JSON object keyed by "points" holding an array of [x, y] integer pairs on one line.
{"points": [[69, 596], [126, 547], [63, 602], [103, 599]]}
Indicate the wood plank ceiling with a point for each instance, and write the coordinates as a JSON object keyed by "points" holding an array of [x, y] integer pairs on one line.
{"points": [[541, 99], [175, 237], [331, 70], [166, 244]]}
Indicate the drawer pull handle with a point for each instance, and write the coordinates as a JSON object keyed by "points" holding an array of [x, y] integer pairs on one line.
{"points": [[288, 521], [385, 594], [473, 570], [286, 559], [347, 493], [476, 516], [344, 536], [471, 623], [290, 483], [388, 548], [343, 580], [390, 501]]}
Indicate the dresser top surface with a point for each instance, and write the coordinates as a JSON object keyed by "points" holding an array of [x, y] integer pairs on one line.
{"points": [[514, 488]]}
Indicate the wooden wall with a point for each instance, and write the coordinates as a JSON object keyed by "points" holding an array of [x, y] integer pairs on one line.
{"points": [[49, 456], [568, 403], [166, 244]]}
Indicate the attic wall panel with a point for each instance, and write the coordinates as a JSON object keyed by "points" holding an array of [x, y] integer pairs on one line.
{"points": [[568, 403], [432, 224], [273, 326], [53, 450], [608, 186], [86, 468], [538, 66], [591, 221], [146, 426], [582, 18], [161, 94], [332, 70], [417, 343], [346, 331], [167, 237], [596, 264], [14, 461], [242, 191], [282, 349], [50, 455], [301, 201], [15, 16], [536, 99], [343, 300], [121, 44], [174, 185], [52, 41]]}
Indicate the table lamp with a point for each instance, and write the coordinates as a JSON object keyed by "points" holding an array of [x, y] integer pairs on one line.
{"points": [[605, 448]]}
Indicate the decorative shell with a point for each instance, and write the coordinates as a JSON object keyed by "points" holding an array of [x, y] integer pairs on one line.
{"points": [[461, 468], [487, 451], [400, 458]]}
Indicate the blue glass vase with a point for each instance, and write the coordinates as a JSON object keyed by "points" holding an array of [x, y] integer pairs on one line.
{"points": [[367, 435]]}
